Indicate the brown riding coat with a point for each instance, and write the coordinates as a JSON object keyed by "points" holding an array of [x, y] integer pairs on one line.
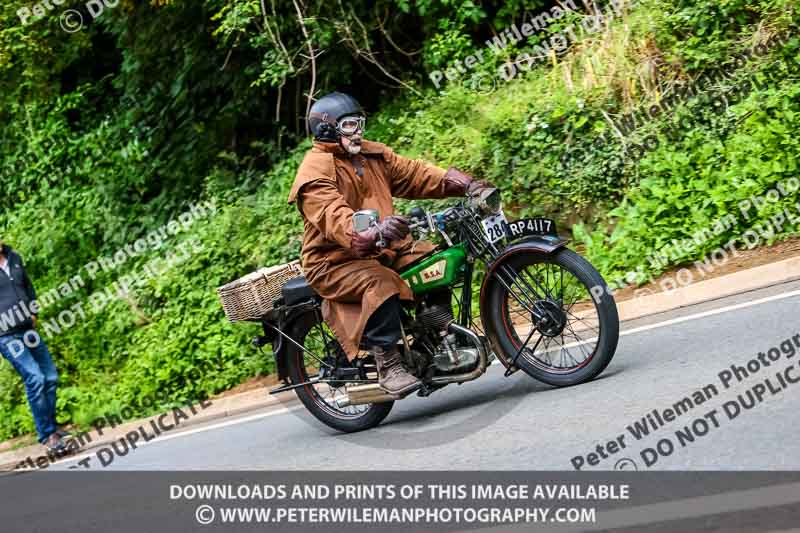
{"points": [[328, 190]]}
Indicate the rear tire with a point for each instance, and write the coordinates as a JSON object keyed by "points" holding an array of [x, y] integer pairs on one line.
{"points": [[501, 329], [330, 415]]}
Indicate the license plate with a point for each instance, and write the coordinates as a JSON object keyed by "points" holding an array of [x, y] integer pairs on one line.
{"points": [[495, 227], [528, 227]]}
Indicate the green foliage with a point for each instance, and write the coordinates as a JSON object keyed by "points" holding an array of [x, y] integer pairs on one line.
{"points": [[702, 34], [699, 179], [109, 133], [449, 45]]}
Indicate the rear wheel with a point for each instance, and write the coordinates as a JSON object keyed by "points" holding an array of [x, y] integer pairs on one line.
{"points": [[554, 314], [322, 398]]}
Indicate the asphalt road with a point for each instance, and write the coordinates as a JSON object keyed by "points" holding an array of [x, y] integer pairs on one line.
{"points": [[517, 423]]}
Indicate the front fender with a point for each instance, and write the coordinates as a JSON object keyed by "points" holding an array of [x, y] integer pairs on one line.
{"points": [[545, 244], [541, 245]]}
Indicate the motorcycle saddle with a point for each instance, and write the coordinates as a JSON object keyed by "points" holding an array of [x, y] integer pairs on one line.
{"points": [[297, 290]]}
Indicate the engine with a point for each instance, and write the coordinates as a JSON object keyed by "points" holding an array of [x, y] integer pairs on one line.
{"points": [[435, 310], [435, 313], [436, 317]]}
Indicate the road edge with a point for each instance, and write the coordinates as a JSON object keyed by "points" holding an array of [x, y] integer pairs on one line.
{"points": [[640, 306]]}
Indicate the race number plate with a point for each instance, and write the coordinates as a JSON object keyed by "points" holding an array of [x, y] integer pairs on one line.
{"points": [[527, 227], [494, 227]]}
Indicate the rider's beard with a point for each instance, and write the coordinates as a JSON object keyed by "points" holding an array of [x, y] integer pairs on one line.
{"points": [[352, 144]]}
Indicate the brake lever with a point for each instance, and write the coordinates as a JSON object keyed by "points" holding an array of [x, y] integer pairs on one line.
{"points": [[431, 224], [380, 243]]}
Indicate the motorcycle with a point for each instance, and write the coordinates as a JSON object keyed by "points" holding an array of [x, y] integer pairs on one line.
{"points": [[542, 309]]}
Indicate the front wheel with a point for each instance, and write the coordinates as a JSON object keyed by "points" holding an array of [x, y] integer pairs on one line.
{"points": [[552, 312], [322, 398]]}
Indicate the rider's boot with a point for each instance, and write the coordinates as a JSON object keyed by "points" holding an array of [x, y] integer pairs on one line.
{"points": [[392, 377]]}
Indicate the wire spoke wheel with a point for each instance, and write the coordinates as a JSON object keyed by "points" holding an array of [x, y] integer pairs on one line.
{"points": [[549, 319], [568, 334], [325, 372], [320, 365]]}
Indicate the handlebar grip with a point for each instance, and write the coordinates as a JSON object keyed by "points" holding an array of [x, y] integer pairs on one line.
{"points": [[417, 212]]}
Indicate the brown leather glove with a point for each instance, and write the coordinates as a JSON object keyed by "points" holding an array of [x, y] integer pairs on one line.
{"points": [[457, 183], [393, 228]]}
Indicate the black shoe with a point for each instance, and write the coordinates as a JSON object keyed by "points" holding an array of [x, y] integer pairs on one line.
{"points": [[63, 433], [55, 445]]}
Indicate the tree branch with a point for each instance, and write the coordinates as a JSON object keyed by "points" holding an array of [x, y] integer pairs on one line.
{"points": [[312, 57], [367, 52]]}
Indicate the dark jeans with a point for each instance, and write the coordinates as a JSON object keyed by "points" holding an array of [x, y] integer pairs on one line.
{"points": [[383, 326], [29, 356]]}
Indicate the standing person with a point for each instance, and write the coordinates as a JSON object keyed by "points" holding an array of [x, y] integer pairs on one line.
{"points": [[22, 346], [358, 281]]}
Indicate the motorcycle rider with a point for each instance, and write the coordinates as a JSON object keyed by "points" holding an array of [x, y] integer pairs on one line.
{"points": [[358, 281]]}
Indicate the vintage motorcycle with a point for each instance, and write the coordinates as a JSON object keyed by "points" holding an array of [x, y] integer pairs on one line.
{"points": [[543, 309]]}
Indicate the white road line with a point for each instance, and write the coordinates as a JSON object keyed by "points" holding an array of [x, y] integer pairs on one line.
{"points": [[712, 312], [188, 432], [684, 319], [666, 323]]}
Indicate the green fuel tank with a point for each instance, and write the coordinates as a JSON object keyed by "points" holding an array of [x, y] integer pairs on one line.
{"points": [[439, 270]]}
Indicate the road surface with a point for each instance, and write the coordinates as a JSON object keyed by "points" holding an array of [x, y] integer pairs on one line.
{"points": [[516, 423]]}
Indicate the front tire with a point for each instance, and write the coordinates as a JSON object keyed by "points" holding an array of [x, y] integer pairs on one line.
{"points": [[308, 331], [585, 345]]}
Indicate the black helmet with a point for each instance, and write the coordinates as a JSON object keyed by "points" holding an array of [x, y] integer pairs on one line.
{"points": [[327, 111]]}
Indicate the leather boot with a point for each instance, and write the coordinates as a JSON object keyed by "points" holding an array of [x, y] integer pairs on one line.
{"points": [[392, 377]]}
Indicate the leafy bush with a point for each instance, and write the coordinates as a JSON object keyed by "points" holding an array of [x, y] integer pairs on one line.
{"points": [[160, 106]]}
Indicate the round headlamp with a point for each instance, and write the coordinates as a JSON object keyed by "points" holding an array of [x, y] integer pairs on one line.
{"points": [[489, 201]]}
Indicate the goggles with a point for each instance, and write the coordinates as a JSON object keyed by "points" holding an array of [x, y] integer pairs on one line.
{"points": [[350, 125]]}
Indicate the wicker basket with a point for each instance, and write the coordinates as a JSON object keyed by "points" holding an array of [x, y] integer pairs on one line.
{"points": [[251, 297]]}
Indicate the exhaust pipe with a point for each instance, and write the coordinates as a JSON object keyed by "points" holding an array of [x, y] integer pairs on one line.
{"points": [[482, 358], [363, 394], [373, 393]]}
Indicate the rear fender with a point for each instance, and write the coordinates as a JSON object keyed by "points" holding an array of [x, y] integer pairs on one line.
{"points": [[284, 323]]}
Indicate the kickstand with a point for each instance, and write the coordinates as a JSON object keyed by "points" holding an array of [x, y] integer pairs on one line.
{"points": [[424, 391]]}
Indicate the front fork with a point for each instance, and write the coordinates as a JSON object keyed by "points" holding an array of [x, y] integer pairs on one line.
{"points": [[465, 318], [465, 313]]}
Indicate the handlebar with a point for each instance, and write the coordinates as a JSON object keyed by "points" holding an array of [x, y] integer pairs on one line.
{"points": [[419, 218]]}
